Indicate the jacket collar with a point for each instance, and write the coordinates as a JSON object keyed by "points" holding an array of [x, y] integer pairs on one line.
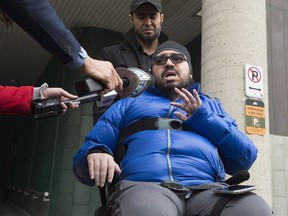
{"points": [[196, 86]]}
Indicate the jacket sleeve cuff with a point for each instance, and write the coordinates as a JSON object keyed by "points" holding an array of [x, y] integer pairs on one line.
{"points": [[98, 150], [37, 93], [78, 61]]}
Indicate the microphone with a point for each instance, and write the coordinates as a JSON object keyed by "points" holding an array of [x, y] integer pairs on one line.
{"points": [[135, 82], [238, 178]]}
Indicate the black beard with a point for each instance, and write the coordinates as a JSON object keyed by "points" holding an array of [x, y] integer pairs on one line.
{"points": [[168, 87], [143, 37]]}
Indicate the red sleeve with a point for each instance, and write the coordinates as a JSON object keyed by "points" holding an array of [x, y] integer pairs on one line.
{"points": [[16, 100]]}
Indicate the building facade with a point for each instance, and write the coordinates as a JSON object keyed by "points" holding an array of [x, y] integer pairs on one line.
{"points": [[236, 36]]}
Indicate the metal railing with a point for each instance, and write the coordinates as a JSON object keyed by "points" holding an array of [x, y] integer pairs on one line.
{"points": [[45, 196]]}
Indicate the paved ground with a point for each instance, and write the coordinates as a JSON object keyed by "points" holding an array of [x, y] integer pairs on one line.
{"points": [[8, 209]]}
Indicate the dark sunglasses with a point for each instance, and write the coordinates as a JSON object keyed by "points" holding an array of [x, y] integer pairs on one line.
{"points": [[175, 58]]}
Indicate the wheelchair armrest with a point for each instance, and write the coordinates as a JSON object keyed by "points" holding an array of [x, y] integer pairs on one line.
{"points": [[103, 195]]}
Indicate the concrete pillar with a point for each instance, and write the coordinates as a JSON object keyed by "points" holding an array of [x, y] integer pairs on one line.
{"points": [[234, 34]]}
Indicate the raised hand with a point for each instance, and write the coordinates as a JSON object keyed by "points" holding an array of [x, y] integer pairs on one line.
{"points": [[191, 103]]}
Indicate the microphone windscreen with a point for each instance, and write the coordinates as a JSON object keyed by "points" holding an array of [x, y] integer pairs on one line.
{"points": [[238, 178]]}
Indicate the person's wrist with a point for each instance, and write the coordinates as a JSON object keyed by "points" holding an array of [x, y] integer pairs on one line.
{"points": [[85, 67]]}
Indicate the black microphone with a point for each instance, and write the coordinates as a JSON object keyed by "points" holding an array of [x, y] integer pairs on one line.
{"points": [[238, 178]]}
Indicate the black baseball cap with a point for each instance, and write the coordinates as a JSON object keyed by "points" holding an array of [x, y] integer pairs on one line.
{"points": [[136, 3]]}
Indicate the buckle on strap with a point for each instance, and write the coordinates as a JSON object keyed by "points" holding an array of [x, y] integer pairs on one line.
{"points": [[167, 123], [172, 185], [177, 187]]}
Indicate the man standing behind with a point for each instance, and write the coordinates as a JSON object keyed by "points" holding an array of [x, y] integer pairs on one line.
{"points": [[139, 43]]}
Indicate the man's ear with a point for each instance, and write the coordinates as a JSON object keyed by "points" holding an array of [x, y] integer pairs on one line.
{"points": [[130, 17], [162, 17]]}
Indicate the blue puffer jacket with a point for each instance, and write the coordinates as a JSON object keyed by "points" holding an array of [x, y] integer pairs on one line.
{"points": [[212, 145]]}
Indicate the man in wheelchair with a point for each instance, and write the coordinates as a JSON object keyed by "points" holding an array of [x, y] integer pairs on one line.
{"points": [[178, 144]]}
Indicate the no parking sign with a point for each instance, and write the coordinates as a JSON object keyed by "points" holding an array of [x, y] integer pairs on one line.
{"points": [[253, 81]]}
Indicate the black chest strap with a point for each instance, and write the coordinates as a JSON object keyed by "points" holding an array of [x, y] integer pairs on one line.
{"points": [[151, 124], [145, 124]]}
